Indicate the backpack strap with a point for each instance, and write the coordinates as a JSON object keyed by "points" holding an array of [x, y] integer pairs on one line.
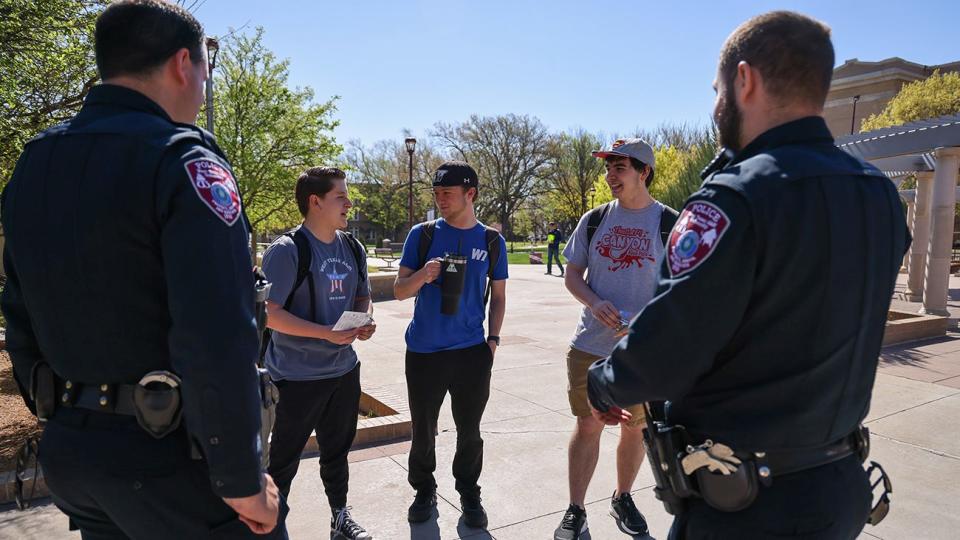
{"points": [[594, 218], [304, 259], [426, 238], [668, 218], [357, 248], [492, 238]]}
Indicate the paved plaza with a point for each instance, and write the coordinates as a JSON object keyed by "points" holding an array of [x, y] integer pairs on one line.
{"points": [[913, 418]]}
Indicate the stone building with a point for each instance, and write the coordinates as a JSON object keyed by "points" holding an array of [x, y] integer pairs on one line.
{"points": [[871, 85]]}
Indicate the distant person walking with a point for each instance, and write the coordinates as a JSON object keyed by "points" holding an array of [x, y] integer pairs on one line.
{"points": [[554, 237]]}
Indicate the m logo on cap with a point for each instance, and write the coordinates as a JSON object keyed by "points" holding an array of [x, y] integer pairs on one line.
{"points": [[617, 144]]}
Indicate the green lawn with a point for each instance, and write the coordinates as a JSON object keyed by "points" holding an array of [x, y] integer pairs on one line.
{"points": [[521, 252]]}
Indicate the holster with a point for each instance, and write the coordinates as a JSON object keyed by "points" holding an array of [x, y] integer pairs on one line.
{"points": [[269, 397], [43, 390], [663, 446]]}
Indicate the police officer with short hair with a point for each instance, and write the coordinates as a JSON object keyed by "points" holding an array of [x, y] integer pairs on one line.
{"points": [[130, 298], [764, 337]]}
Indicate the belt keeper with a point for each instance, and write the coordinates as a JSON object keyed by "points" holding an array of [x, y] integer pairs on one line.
{"points": [[107, 396], [69, 395], [763, 468]]}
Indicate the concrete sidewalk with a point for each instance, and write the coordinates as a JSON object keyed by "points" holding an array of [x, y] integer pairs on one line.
{"points": [[527, 424]]}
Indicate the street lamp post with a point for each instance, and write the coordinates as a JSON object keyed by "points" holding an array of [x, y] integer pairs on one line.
{"points": [[411, 145], [854, 115], [212, 48]]}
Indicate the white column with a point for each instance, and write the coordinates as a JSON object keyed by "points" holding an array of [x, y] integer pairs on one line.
{"points": [[941, 239], [921, 237], [911, 206]]}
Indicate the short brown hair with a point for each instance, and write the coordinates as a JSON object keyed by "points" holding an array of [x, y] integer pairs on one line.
{"points": [[792, 52], [315, 181], [133, 37]]}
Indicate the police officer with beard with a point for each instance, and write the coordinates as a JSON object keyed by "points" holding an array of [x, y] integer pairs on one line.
{"points": [[130, 299], [764, 336]]}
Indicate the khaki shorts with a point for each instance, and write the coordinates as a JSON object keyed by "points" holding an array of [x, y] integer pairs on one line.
{"points": [[578, 362]]}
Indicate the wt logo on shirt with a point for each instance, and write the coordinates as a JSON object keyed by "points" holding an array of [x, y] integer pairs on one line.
{"points": [[479, 254]]}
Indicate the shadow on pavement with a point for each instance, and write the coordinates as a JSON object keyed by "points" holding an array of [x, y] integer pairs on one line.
{"points": [[428, 530]]}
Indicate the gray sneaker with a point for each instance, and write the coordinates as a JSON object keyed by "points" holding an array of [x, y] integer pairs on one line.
{"points": [[629, 519], [573, 524], [343, 527]]}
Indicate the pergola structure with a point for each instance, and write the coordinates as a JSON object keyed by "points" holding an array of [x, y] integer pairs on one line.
{"points": [[930, 151]]}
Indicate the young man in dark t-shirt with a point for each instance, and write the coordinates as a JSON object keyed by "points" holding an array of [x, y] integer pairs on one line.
{"points": [[315, 367], [449, 353]]}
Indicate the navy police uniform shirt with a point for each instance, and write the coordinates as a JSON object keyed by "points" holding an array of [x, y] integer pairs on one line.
{"points": [[126, 252], [770, 312], [431, 331]]}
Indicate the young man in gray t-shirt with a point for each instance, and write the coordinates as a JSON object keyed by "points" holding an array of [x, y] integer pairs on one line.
{"points": [[315, 367], [621, 259]]}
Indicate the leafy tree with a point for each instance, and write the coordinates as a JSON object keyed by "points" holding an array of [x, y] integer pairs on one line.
{"points": [[571, 175], [269, 131], [380, 174], [46, 68], [938, 95], [511, 154]]}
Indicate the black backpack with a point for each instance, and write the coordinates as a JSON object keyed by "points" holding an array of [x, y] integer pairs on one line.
{"points": [[304, 260], [491, 236], [668, 218]]}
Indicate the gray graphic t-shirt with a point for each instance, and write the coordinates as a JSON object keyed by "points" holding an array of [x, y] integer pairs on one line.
{"points": [[335, 277], [623, 265]]}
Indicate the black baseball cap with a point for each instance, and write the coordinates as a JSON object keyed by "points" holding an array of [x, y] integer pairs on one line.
{"points": [[455, 173]]}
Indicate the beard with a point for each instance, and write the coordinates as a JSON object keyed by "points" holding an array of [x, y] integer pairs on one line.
{"points": [[728, 120]]}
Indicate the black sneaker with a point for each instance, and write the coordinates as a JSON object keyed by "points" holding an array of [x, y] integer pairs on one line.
{"points": [[574, 524], [343, 527], [629, 519], [422, 507], [473, 513]]}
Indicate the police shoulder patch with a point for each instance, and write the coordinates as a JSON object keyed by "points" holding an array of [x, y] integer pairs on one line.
{"points": [[695, 236], [216, 187]]}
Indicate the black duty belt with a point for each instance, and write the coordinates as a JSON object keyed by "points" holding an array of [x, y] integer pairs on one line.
{"points": [[108, 398], [781, 462]]}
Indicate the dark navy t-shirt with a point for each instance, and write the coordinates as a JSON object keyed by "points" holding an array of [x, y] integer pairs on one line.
{"points": [[336, 279], [429, 330]]}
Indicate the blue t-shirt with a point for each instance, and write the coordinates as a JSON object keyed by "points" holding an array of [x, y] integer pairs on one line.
{"points": [[431, 331], [335, 277]]}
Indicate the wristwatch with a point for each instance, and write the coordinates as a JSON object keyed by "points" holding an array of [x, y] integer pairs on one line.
{"points": [[495, 339]]}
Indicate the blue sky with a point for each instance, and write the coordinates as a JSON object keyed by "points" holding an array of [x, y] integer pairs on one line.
{"points": [[609, 67]]}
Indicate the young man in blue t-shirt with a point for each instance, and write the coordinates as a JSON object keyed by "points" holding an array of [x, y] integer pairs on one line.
{"points": [[315, 367], [449, 353]]}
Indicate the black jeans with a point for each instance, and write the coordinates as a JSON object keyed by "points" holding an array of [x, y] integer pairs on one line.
{"points": [[830, 502], [553, 252], [329, 407], [114, 481], [465, 373]]}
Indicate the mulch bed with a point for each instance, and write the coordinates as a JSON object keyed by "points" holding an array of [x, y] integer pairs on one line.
{"points": [[16, 421]]}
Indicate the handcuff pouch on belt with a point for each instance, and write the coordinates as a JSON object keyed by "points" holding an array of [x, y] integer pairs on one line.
{"points": [[156, 400], [729, 492]]}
